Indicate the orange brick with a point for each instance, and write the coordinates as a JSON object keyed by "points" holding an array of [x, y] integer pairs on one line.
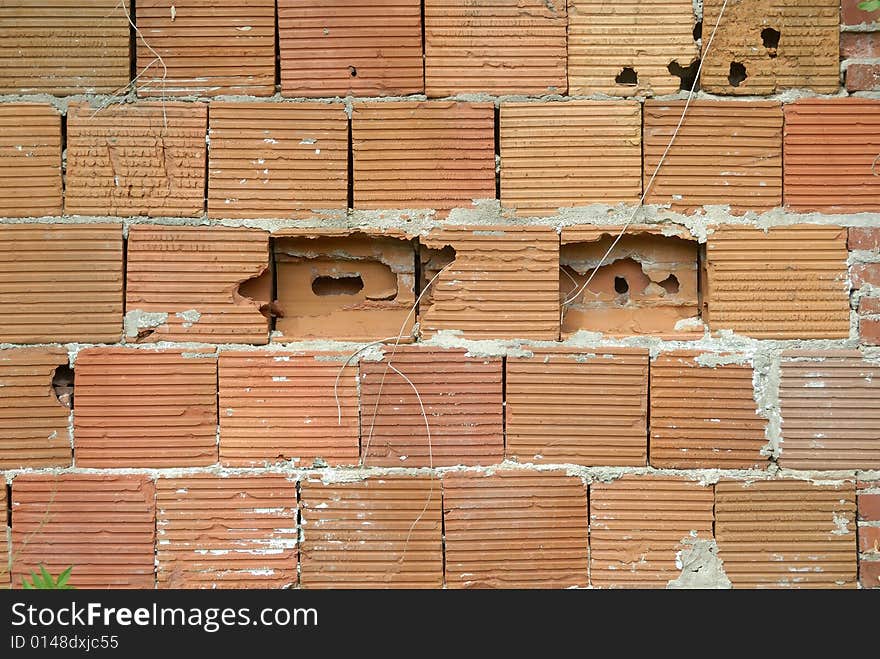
{"points": [[350, 48], [569, 154], [4, 540], [191, 284], [383, 532], [277, 160], [141, 159], [282, 406], [30, 159], [726, 153], [515, 529], [104, 526], [462, 401], [786, 534], [144, 408], [502, 47], [60, 283], [71, 47], [206, 49], [226, 531], [33, 421], [829, 416], [640, 525], [434, 154], [587, 409], [704, 416], [830, 149]]}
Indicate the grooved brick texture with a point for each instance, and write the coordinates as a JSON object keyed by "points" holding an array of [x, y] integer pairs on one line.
{"points": [[191, 277], [704, 416], [786, 534], [350, 48], [140, 159], [638, 526], [830, 150], [103, 525], [282, 406], [277, 160], [33, 422], [203, 48], [434, 154], [495, 47], [805, 57], [145, 408], [461, 397], [379, 532], [830, 406], [587, 409], [63, 47], [60, 283], [30, 160], [4, 540], [786, 283], [226, 531], [726, 153], [515, 529], [503, 283], [604, 38], [569, 154]]}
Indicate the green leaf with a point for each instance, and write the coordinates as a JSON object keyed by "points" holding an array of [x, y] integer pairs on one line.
{"points": [[25, 585], [61, 581], [869, 5], [48, 581]]}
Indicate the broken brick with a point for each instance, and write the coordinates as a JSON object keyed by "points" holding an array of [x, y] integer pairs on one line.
{"points": [[380, 532], [136, 159], [862, 77], [33, 417], [191, 284], [586, 409], [226, 531], [102, 525], [60, 283], [145, 408], [426, 407], [283, 406], [515, 529], [30, 159], [502, 47]]}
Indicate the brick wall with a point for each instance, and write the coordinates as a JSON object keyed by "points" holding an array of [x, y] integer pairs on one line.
{"points": [[352, 305]]}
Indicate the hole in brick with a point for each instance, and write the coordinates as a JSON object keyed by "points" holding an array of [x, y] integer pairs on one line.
{"points": [[686, 74], [259, 290], [337, 284], [770, 39], [670, 285], [62, 385], [353, 70], [737, 74], [620, 285], [627, 76], [698, 30]]}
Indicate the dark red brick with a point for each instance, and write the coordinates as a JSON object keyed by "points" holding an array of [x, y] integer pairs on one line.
{"points": [[850, 14], [859, 44], [869, 305], [869, 331], [862, 77], [869, 539], [863, 238], [869, 574], [865, 273], [869, 507]]}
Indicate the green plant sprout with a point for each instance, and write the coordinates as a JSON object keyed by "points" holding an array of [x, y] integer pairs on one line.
{"points": [[45, 581], [869, 5]]}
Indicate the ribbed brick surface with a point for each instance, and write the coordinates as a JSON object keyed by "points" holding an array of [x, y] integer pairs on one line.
{"points": [[4, 540], [30, 160]]}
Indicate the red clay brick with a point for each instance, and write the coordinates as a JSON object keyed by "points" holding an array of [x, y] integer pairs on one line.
{"points": [[515, 529], [102, 525], [226, 531], [869, 331], [30, 159], [869, 305], [862, 77], [145, 408], [4, 540], [865, 273], [136, 159], [850, 14], [859, 44], [869, 540], [461, 397], [866, 238], [282, 406], [869, 574], [869, 507]]}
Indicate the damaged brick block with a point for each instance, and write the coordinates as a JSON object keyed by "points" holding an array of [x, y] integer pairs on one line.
{"points": [[208, 284], [515, 529], [868, 531], [142, 408], [282, 406], [30, 159], [638, 49], [380, 532], [104, 525], [136, 159], [5, 557], [425, 407], [766, 46], [502, 47], [649, 284], [787, 533], [226, 531], [36, 396], [569, 407], [344, 285], [60, 283]]}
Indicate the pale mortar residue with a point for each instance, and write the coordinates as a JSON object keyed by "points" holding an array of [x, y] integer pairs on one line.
{"points": [[700, 566], [189, 317], [136, 320]]}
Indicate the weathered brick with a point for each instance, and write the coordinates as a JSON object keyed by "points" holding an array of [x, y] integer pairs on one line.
{"points": [[30, 159], [869, 574], [865, 273], [4, 540], [862, 77], [869, 305], [866, 238], [869, 331], [859, 44], [850, 14], [869, 540], [869, 507]]}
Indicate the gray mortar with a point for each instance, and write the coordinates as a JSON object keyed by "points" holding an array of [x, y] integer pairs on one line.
{"points": [[136, 320], [189, 317], [700, 566]]}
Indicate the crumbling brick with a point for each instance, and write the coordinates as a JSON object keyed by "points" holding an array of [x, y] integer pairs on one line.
{"points": [[859, 44], [862, 274], [862, 77], [30, 159]]}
